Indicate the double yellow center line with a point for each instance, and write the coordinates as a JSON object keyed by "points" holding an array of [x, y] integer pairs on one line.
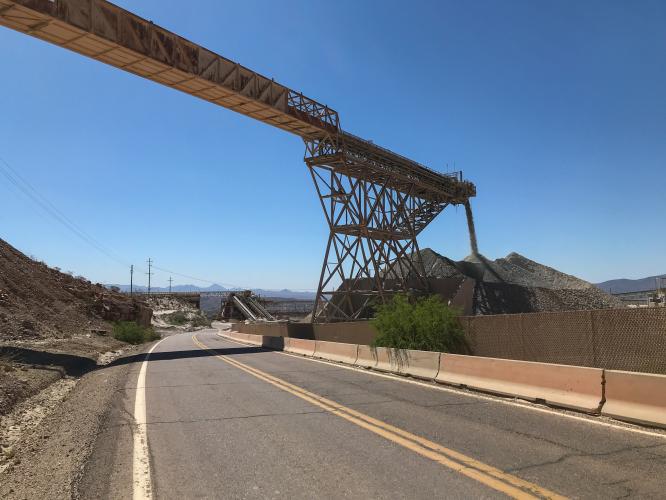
{"points": [[492, 477]]}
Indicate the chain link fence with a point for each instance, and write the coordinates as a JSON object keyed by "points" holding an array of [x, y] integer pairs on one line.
{"points": [[617, 339]]}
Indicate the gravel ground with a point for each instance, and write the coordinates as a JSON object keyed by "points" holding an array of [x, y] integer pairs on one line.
{"points": [[60, 425], [19, 381], [29, 366], [516, 284]]}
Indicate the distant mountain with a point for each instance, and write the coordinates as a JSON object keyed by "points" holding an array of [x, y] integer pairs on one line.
{"points": [[285, 293], [175, 288], [626, 286]]}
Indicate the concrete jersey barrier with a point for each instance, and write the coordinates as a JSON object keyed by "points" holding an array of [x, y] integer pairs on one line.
{"points": [[299, 346], [335, 351], [419, 364], [630, 396], [636, 397], [367, 357], [575, 387], [276, 343], [386, 360], [377, 358], [246, 337]]}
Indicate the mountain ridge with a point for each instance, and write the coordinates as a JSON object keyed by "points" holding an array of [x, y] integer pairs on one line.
{"points": [[624, 285]]}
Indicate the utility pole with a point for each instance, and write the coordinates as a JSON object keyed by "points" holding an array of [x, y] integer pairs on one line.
{"points": [[131, 280], [170, 280], [149, 273]]}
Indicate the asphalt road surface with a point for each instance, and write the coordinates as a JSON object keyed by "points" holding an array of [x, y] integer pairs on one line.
{"points": [[225, 420]]}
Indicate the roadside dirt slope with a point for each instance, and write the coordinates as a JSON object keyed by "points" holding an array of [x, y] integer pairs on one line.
{"points": [[37, 301]]}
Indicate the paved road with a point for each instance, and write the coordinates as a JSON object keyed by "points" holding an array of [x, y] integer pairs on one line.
{"points": [[230, 421]]}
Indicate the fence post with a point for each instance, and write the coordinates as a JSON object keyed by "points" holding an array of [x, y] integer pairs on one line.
{"points": [[522, 337], [593, 326]]}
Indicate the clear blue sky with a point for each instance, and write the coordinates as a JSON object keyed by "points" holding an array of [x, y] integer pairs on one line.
{"points": [[556, 110]]}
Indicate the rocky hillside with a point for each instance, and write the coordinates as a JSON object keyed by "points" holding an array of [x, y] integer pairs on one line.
{"points": [[37, 301]]}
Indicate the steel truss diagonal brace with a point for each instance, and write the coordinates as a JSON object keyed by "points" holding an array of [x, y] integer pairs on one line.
{"points": [[372, 250]]}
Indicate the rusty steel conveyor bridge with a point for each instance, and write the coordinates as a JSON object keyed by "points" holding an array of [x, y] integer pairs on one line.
{"points": [[376, 202]]}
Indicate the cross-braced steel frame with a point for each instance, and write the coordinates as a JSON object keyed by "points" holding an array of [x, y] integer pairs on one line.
{"points": [[374, 212], [376, 202]]}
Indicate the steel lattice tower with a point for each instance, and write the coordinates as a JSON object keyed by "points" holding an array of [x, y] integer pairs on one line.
{"points": [[376, 203]]}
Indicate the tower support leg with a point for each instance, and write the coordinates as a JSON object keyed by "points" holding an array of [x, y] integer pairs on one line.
{"points": [[372, 250]]}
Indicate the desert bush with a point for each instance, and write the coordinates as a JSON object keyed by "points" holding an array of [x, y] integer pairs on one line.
{"points": [[130, 332], [178, 318], [424, 323], [200, 320]]}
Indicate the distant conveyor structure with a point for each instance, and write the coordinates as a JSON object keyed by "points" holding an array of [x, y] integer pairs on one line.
{"points": [[375, 201], [251, 308]]}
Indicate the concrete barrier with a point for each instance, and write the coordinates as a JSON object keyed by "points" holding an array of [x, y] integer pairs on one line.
{"points": [[300, 346], [269, 329], [276, 343], [636, 397], [419, 364], [335, 351], [248, 338], [386, 361], [573, 387], [367, 357], [235, 335]]}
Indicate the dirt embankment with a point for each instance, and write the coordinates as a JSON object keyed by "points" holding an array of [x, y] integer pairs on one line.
{"points": [[173, 315], [37, 301], [53, 325]]}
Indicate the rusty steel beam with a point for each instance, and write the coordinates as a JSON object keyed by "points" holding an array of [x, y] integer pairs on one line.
{"points": [[110, 34], [115, 36]]}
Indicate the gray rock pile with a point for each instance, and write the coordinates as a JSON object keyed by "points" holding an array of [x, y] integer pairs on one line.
{"points": [[516, 284]]}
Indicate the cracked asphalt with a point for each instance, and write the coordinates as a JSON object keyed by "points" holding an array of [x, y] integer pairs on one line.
{"points": [[217, 431]]}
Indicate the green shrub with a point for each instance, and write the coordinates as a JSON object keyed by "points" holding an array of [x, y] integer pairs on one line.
{"points": [[425, 324], [178, 318], [130, 332], [200, 320]]}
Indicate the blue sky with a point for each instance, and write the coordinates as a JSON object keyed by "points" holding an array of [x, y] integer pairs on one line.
{"points": [[556, 110]]}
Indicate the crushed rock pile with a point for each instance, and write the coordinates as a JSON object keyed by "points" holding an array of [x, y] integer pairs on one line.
{"points": [[37, 301], [516, 284]]}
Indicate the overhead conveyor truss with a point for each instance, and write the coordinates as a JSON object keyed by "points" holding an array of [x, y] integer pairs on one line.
{"points": [[375, 201]]}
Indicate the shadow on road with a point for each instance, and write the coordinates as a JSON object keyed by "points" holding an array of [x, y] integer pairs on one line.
{"points": [[193, 353], [77, 366]]}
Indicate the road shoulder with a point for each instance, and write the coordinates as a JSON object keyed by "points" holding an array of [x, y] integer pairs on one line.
{"points": [[52, 460]]}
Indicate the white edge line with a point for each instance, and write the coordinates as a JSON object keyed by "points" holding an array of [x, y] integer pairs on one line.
{"points": [[590, 419], [142, 485]]}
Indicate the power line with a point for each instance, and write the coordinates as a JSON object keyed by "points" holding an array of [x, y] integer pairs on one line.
{"points": [[28, 190], [24, 186], [195, 278]]}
